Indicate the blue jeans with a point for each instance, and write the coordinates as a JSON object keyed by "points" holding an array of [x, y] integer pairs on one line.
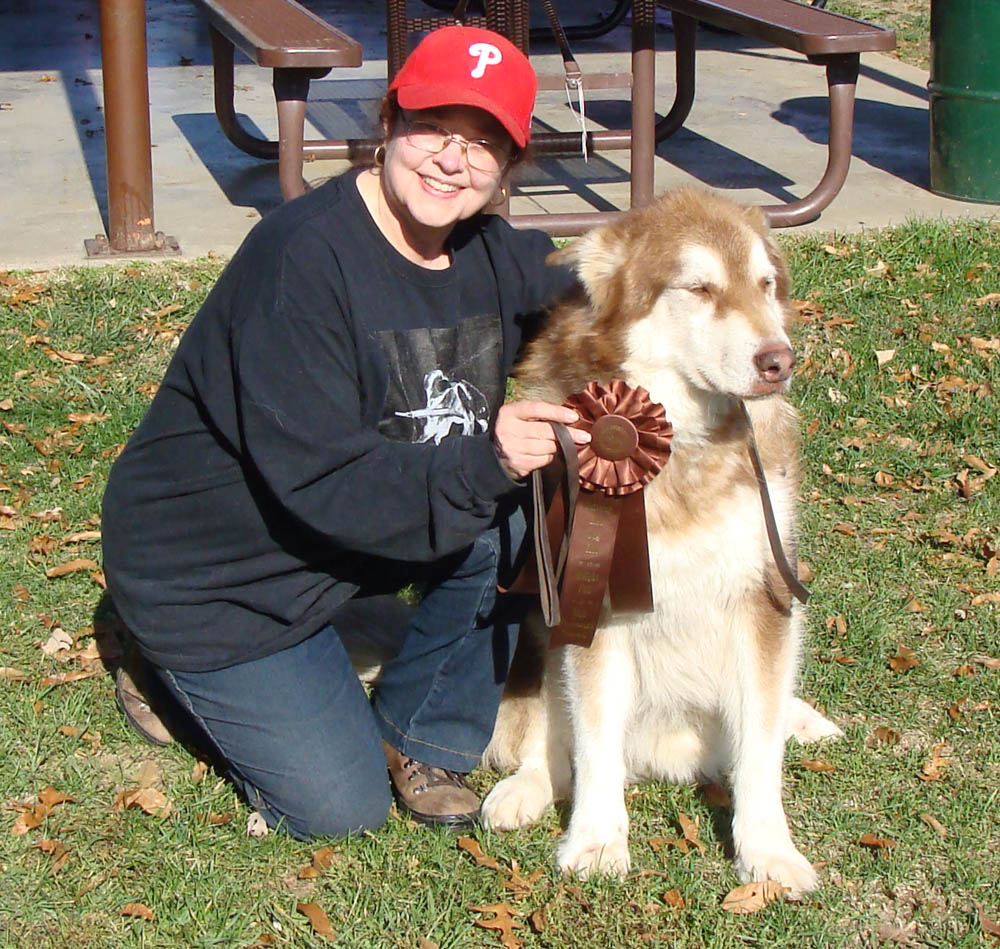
{"points": [[299, 736]]}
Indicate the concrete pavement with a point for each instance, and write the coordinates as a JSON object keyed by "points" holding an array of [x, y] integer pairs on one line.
{"points": [[756, 132]]}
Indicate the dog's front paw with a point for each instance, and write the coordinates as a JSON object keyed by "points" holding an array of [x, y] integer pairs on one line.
{"points": [[583, 855], [785, 866], [805, 724], [517, 801]]}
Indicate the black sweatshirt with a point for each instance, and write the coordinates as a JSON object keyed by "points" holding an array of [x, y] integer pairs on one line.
{"points": [[326, 417]]}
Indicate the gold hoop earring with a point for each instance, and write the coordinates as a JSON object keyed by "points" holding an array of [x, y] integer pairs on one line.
{"points": [[379, 156], [500, 197]]}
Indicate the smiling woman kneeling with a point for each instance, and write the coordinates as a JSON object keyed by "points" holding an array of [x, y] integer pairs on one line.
{"points": [[332, 427]]}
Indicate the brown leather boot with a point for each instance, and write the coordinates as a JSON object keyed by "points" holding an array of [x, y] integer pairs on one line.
{"points": [[131, 693], [431, 795]]}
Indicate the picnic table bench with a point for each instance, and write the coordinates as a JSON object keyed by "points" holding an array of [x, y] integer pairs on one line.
{"points": [[299, 46], [825, 38]]}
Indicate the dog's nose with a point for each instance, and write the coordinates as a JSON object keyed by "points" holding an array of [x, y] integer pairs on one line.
{"points": [[774, 362]]}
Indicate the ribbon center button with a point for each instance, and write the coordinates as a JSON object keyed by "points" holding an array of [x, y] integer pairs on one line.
{"points": [[614, 437]]}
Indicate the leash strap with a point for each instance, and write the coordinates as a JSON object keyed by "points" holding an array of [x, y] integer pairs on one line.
{"points": [[788, 574], [544, 503], [574, 76]]}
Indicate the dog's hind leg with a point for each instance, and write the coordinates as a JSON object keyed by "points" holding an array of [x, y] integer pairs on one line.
{"points": [[535, 726], [600, 682], [757, 713]]}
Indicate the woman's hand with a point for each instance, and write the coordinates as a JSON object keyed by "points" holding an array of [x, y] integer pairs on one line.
{"points": [[523, 438]]}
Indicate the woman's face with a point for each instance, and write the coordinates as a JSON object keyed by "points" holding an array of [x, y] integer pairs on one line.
{"points": [[428, 191]]}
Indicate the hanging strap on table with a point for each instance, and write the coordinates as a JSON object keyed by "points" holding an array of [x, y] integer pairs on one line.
{"points": [[574, 77]]}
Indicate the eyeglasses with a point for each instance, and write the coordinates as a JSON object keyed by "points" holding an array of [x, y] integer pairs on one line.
{"points": [[479, 153]]}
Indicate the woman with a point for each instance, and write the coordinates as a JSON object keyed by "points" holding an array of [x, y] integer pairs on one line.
{"points": [[331, 428]]}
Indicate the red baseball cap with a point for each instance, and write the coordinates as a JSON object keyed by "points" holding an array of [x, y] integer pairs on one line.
{"points": [[465, 65]]}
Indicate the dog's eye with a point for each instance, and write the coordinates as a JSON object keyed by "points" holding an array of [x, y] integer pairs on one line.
{"points": [[701, 291], [767, 283]]}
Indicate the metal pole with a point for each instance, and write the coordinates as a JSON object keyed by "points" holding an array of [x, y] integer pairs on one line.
{"points": [[126, 131], [643, 101]]}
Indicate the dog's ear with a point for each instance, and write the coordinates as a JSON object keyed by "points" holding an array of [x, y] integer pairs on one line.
{"points": [[596, 258], [758, 220]]}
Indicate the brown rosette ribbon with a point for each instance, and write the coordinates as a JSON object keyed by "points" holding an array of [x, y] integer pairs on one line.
{"points": [[607, 548]]}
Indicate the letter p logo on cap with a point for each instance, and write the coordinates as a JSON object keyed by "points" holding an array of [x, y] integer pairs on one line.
{"points": [[487, 55]]}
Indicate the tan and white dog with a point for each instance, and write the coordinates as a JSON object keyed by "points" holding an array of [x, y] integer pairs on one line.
{"points": [[687, 298]]}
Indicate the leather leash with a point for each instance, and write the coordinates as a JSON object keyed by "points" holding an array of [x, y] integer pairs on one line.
{"points": [[774, 538], [549, 575]]}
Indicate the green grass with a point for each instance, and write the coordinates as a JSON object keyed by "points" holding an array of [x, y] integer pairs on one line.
{"points": [[910, 19], [902, 555]]}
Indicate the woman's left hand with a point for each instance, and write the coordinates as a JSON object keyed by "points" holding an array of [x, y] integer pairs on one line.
{"points": [[524, 439]]}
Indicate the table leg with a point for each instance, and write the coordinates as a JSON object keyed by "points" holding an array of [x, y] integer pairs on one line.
{"points": [[842, 78], [643, 101], [127, 136], [685, 41]]}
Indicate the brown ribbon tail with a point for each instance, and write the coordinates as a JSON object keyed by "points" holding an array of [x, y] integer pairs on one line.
{"points": [[588, 568], [789, 575], [630, 587]]}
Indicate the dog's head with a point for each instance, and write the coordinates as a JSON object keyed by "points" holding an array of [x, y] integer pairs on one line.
{"points": [[692, 285]]}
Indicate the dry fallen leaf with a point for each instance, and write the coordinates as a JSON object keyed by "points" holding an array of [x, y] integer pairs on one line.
{"points": [[931, 770], [29, 820], [690, 830], [321, 861], [883, 356], [502, 920], [904, 660], [934, 825], [318, 918], [990, 926], [139, 910], [64, 678], [817, 764], [10, 674], [521, 885], [152, 801], [71, 566], [50, 797], [837, 624], [883, 844], [888, 736], [988, 661], [58, 640], [754, 896], [674, 899], [58, 851], [539, 919], [471, 847], [33, 816]]}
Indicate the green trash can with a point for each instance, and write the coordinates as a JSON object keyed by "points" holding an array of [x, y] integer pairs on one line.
{"points": [[965, 99]]}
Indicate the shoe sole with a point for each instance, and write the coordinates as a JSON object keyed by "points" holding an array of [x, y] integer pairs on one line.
{"points": [[449, 821]]}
